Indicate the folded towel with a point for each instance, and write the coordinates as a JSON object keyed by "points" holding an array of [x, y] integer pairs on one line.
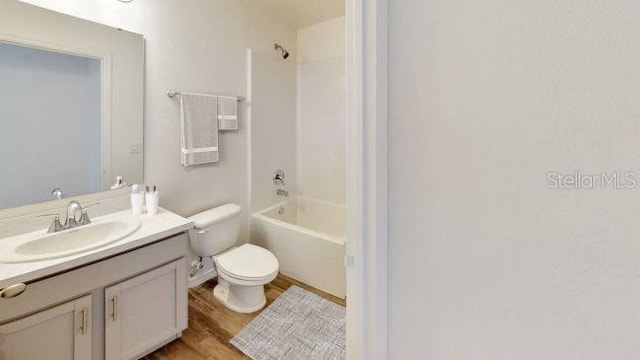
{"points": [[228, 112], [198, 129]]}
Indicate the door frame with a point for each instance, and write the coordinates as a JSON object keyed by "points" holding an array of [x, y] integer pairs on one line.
{"points": [[367, 178]]}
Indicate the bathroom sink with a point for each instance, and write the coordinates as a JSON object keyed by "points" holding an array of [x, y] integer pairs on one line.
{"points": [[37, 246]]}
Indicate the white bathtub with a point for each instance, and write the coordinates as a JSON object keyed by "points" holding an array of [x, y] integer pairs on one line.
{"points": [[308, 240]]}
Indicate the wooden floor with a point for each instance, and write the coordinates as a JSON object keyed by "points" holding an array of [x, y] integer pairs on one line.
{"points": [[211, 325]]}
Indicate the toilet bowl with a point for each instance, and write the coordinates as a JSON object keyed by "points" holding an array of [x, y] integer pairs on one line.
{"points": [[242, 270], [242, 274]]}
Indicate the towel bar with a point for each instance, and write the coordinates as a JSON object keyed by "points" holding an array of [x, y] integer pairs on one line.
{"points": [[173, 93]]}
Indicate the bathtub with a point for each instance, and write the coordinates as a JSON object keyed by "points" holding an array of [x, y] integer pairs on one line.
{"points": [[307, 237]]}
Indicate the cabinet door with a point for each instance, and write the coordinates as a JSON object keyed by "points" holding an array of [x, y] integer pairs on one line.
{"points": [[62, 332], [145, 312]]}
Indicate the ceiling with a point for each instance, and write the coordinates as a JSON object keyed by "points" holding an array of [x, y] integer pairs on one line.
{"points": [[301, 13]]}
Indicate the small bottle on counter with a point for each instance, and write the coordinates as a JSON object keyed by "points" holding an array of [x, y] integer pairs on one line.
{"points": [[153, 200], [137, 199]]}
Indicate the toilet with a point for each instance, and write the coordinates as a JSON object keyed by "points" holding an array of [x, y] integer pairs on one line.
{"points": [[242, 270]]}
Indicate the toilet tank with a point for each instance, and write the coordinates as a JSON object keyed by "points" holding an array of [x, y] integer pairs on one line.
{"points": [[215, 230]]}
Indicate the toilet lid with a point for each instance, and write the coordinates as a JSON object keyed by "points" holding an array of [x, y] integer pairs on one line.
{"points": [[248, 262]]}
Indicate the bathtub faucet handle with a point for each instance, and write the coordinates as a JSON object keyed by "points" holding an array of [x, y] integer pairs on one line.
{"points": [[278, 177]]}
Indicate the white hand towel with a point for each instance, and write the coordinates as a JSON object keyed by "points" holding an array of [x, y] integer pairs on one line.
{"points": [[198, 129], [228, 112]]}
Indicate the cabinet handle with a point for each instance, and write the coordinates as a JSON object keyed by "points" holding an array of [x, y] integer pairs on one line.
{"points": [[12, 291], [114, 308], [84, 326]]}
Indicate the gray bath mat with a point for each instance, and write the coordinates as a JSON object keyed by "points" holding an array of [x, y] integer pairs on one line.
{"points": [[298, 325]]}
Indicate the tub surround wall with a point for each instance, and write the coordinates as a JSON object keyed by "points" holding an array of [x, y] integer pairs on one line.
{"points": [[306, 138], [272, 83], [321, 216], [320, 140], [321, 41]]}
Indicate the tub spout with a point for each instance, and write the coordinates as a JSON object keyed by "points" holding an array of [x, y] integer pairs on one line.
{"points": [[281, 192]]}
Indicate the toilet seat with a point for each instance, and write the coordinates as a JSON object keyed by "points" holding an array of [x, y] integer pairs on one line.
{"points": [[246, 281], [248, 263]]}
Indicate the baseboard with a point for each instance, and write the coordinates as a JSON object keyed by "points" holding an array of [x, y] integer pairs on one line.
{"points": [[158, 346]]}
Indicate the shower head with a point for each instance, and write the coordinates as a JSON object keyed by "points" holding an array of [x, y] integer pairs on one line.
{"points": [[283, 52]]}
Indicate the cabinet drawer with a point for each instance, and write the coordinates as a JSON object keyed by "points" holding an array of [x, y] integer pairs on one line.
{"points": [[59, 288]]}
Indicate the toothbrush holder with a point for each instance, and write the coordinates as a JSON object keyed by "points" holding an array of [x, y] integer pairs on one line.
{"points": [[137, 203], [152, 199]]}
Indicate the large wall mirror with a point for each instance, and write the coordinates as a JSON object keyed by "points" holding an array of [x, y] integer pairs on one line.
{"points": [[71, 105]]}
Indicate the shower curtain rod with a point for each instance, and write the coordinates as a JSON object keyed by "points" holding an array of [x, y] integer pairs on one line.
{"points": [[173, 93]]}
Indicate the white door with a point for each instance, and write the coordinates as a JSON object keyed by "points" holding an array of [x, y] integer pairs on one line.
{"points": [[62, 332], [145, 311]]}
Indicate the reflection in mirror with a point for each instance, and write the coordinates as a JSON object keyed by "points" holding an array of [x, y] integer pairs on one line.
{"points": [[51, 128]]}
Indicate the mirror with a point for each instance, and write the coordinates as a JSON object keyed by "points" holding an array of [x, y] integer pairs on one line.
{"points": [[71, 105]]}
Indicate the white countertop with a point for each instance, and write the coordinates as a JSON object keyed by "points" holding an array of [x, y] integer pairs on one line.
{"points": [[152, 228]]}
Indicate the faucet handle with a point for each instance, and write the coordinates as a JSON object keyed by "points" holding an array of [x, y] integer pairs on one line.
{"points": [[80, 208], [84, 216], [278, 177], [56, 225], [88, 206], [48, 215]]}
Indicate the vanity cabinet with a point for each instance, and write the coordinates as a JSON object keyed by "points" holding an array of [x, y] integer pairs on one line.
{"points": [[144, 311], [61, 332], [120, 307]]}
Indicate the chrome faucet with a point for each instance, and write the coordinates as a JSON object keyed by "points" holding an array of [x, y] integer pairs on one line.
{"points": [[71, 221], [281, 192], [72, 209]]}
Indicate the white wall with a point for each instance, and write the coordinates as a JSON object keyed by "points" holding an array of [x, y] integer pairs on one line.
{"points": [[321, 111], [273, 126], [485, 99], [33, 157]]}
